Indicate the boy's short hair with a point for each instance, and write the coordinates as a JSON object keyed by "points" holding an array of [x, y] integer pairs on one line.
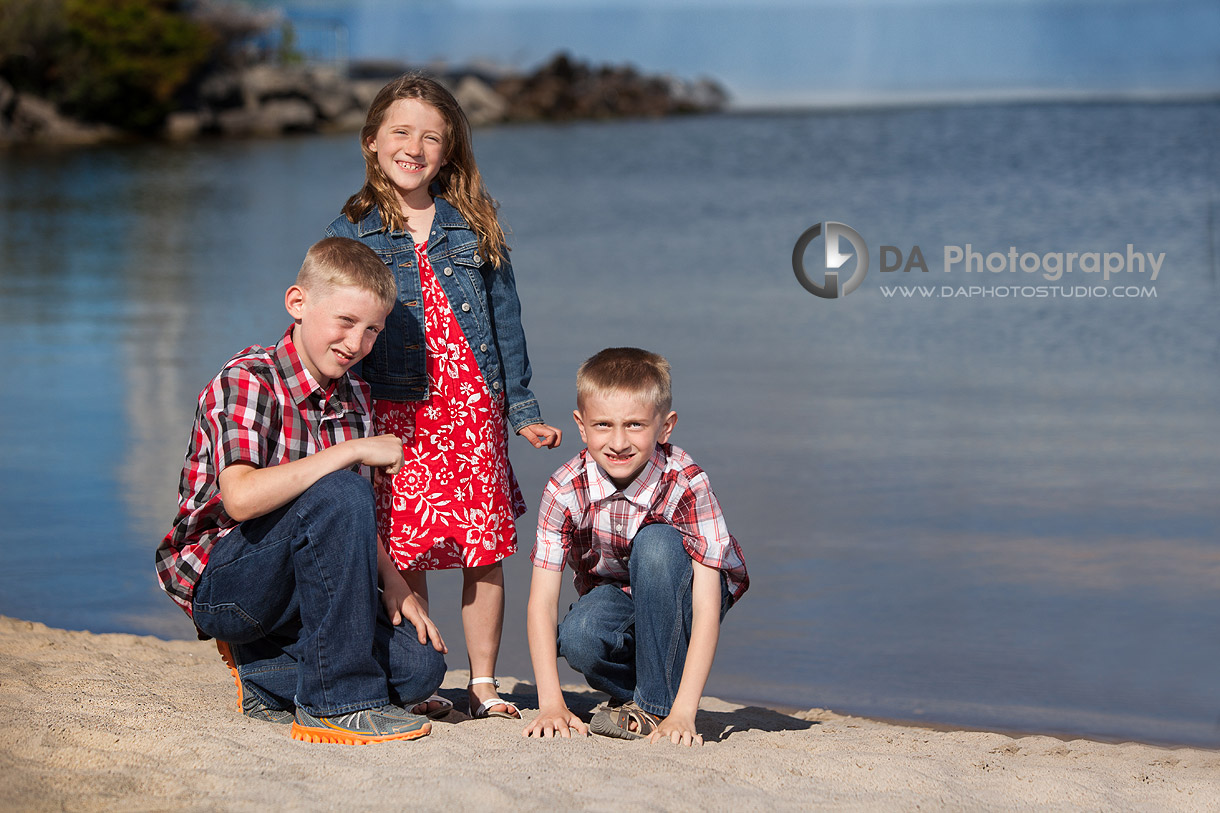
{"points": [[334, 261], [628, 370]]}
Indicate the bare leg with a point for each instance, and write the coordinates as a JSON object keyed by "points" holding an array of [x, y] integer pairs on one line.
{"points": [[417, 580], [483, 622]]}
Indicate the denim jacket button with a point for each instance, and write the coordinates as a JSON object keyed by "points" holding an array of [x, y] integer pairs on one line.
{"points": [[448, 271], [483, 347], [466, 307], [496, 386]]}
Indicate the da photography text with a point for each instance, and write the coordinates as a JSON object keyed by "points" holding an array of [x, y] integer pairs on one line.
{"points": [[842, 262]]}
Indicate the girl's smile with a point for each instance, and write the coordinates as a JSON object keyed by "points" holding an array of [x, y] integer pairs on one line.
{"points": [[410, 147]]}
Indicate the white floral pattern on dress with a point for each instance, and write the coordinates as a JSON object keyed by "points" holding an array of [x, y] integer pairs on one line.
{"points": [[454, 501]]}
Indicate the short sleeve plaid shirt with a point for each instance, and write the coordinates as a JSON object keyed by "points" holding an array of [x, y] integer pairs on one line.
{"points": [[586, 522], [262, 408]]}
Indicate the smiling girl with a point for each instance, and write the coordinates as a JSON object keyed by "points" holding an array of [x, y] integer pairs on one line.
{"points": [[449, 370]]}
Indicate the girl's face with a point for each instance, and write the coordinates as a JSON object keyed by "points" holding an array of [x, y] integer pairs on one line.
{"points": [[410, 148]]}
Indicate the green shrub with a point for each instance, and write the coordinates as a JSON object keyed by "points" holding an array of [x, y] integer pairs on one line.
{"points": [[123, 61]]}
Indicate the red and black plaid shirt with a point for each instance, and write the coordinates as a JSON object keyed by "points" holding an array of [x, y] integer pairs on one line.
{"points": [[586, 521], [263, 408]]}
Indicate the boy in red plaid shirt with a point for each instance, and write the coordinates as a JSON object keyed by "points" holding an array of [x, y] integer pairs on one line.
{"points": [[274, 550], [655, 565]]}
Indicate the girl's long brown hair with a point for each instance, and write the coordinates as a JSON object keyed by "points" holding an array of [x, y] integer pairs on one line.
{"points": [[459, 181]]}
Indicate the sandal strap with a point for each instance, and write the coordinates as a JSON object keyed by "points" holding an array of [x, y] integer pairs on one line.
{"points": [[495, 701], [645, 722], [478, 680]]}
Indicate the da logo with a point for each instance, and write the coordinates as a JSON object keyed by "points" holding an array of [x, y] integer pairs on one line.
{"points": [[831, 233]]}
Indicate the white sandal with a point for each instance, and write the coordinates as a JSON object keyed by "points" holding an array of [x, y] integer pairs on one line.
{"points": [[444, 707], [482, 713]]}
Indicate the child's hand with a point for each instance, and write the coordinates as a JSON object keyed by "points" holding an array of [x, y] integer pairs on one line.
{"points": [[401, 604], [539, 434], [555, 722], [382, 452], [678, 729]]}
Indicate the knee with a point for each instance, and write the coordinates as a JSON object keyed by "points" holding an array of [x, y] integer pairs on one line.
{"points": [[347, 485], [582, 642], [431, 670], [342, 491], [657, 553]]}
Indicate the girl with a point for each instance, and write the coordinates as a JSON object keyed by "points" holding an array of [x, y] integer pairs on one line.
{"points": [[448, 369]]}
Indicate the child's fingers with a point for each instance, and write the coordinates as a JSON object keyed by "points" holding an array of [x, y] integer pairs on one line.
{"points": [[391, 609]]}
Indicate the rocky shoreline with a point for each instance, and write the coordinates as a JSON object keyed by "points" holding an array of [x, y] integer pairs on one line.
{"points": [[272, 100]]}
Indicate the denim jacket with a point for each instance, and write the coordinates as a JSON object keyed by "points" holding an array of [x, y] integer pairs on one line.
{"points": [[484, 301]]}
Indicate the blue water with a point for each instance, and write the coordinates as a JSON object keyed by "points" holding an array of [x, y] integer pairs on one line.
{"points": [[982, 511], [803, 51]]}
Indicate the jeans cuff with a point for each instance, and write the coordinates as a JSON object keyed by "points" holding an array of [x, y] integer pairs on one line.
{"points": [[652, 708], [345, 709]]}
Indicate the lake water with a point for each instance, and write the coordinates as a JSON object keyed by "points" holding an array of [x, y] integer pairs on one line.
{"points": [[984, 510]]}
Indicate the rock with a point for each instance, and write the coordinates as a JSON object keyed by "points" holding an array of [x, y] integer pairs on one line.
{"points": [[568, 89], [286, 116], [34, 119], [699, 96], [7, 97], [365, 91], [183, 126], [332, 95], [270, 99], [481, 104], [236, 122], [262, 82], [222, 90], [276, 117], [352, 121]]}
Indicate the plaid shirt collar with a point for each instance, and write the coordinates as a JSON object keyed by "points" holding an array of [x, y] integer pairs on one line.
{"points": [[639, 492], [301, 384]]}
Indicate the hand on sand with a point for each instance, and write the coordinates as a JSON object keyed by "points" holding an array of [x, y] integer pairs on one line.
{"points": [[555, 722]]}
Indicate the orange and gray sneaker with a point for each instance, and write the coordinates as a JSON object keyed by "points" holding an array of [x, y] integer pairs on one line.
{"points": [[360, 727], [247, 702]]}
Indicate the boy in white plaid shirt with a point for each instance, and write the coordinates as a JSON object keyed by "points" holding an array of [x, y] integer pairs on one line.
{"points": [[655, 566]]}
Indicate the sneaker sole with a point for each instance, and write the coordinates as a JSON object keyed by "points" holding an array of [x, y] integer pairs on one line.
{"points": [[227, 656], [340, 736]]}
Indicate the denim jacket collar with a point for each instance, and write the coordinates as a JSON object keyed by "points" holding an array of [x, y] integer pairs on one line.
{"points": [[447, 217]]}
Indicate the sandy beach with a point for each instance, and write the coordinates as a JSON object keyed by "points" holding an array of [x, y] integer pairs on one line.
{"points": [[123, 722]]}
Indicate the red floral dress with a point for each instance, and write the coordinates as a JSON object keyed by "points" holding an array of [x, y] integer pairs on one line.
{"points": [[454, 501]]}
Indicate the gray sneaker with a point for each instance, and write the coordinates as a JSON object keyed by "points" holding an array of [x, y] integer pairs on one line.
{"points": [[247, 702], [360, 727]]}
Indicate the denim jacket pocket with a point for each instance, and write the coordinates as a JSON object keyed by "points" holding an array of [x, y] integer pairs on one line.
{"points": [[468, 271]]}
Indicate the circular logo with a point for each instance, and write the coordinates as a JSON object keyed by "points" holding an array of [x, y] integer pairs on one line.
{"points": [[831, 232]]}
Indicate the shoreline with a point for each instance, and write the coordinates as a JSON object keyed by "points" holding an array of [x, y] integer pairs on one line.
{"points": [[784, 708], [105, 721]]}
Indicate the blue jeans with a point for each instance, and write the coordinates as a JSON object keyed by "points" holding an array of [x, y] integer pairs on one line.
{"points": [[294, 593], [633, 647]]}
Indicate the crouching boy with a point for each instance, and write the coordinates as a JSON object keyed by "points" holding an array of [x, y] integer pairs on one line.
{"points": [[274, 549], [655, 567]]}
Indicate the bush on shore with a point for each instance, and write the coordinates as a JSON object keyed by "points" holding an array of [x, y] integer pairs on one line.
{"points": [[118, 62]]}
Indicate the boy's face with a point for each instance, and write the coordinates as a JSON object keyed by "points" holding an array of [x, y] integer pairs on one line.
{"points": [[336, 327], [621, 429]]}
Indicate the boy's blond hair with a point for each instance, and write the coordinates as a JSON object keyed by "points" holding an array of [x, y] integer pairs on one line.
{"points": [[334, 261], [626, 370]]}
